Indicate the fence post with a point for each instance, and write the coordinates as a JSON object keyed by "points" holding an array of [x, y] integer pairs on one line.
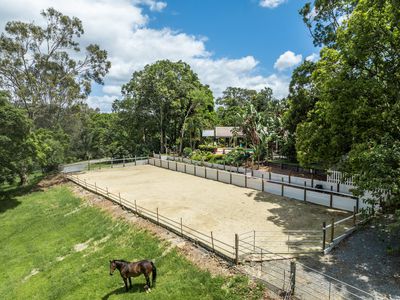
{"points": [[262, 181], [184, 168], [261, 259], [331, 198], [354, 215], [332, 229], [123, 161], [176, 166], [158, 219], [212, 241], [181, 228], [292, 277], [237, 168], [236, 249], [112, 162], [269, 175], [357, 204], [312, 180], [224, 166], [136, 208], [168, 163], [282, 191], [305, 195], [217, 175], [245, 179], [194, 170], [205, 172], [135, 161], [337, 187], [95, 187], [323, 236], [88, 165], [290, 179], [120, 202], [230, 177], [254, 241]]}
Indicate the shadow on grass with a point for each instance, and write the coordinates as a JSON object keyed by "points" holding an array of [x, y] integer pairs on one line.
{"points": [[136, 288], [8, 195]]}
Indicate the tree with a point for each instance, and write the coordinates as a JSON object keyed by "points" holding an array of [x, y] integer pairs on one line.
{"points": [[38, 66], [16, 148], [301, 100], [355, 122], [159, 101], [323, 18]]}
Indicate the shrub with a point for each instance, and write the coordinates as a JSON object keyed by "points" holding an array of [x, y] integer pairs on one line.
{"points": [[236, 156], [209, 148], [187, 152]]}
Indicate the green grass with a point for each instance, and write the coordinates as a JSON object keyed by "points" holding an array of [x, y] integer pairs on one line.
{"points": [[40, 228]]}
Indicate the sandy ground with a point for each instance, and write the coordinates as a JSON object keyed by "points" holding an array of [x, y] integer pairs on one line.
{"points": [[208, 205]]}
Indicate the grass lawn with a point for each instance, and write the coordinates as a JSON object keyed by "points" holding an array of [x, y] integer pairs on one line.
{"points": [[39, 235]]}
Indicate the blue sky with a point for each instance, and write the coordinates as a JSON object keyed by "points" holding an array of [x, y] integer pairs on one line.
{"points": [[236, 28], [243, 43]]}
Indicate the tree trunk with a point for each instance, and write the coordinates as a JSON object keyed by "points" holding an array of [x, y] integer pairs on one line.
{"points": [[23, 176]]}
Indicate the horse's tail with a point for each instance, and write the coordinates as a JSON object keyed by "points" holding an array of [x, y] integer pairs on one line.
{"points": [[154, 275]]}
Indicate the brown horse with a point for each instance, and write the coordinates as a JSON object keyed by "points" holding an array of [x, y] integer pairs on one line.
{"points": [[134, 269]]}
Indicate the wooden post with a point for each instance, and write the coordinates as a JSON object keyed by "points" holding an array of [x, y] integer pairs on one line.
{"points": [[254, 241], [269, 175], [282, 187], [332, 229], [236, 249], [305, 195], [120, 202], [312, 181], [184, 168], [212, 241], [252, 172], [217, 174], [95, 187], [88, 165], [290, 179], [354, 215], [230, 177], [262, 181], [135, 161], [194, 170], [261, 259], [245, 180], [205, 172], [337, 187], [158, 218], [136, 208], [224, 166], [123, 161], [112, 160], [323, 236], [358, 204], [292, 277], [181, 228]]}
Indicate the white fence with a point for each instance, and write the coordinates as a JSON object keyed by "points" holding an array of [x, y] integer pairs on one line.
{"points": [[337, 177], [283, 185]]}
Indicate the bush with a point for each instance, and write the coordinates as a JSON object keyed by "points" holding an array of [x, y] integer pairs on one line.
{"points": [[208, 148], [187, 152], [236, 157]]}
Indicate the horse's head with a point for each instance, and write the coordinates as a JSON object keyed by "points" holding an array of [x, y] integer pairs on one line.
{"points": [[113, 266]]}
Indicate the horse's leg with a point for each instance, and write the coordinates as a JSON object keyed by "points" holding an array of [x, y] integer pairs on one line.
{"points": [[147, 286], [130, 282], [126, 283]]}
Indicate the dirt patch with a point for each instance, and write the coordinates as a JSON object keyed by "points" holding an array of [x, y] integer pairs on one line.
{"points": [[82, 246], [49, 181], [32, 273]]}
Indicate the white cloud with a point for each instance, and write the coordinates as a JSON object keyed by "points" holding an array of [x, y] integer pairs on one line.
{"points": [[314, 57], [152, 4], [271, 3], [287, 60], [122, 29]]}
